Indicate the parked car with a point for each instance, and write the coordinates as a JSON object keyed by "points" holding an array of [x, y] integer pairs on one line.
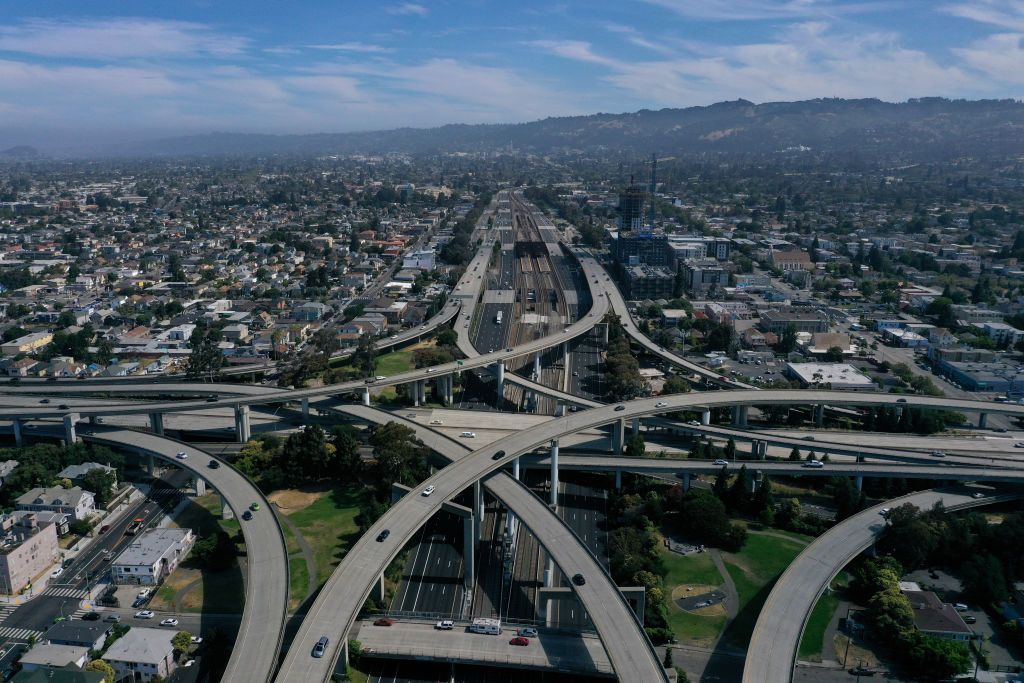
{"points": [[527, 632], [519, 640]]}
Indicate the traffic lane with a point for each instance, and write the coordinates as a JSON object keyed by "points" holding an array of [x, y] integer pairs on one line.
{"points": [[266, 595]]}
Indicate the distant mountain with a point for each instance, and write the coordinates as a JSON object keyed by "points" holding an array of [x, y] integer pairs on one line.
{"points": [[20, 152], [920, 129]]}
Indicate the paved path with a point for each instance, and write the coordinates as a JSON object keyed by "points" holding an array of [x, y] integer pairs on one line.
{"points": [[784, 537], [307, 551], [828, 646], [732, 596]]}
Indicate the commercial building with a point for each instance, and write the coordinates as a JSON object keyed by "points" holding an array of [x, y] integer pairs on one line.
{"points": [[152, 556], [700, 277], [423, 260], [648, 282], [904, 338], [640, 248], [631, 207], [26, 344], [836, 376], [74, 502], [142, 653], [779, 320], [791, 258], [1004, 336], [27, 548]]}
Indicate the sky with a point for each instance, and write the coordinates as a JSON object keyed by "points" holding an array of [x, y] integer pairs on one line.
{"points": [[300, 66]]}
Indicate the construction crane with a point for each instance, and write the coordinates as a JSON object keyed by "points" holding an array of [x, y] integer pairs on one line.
{"points": [[654, 184]]}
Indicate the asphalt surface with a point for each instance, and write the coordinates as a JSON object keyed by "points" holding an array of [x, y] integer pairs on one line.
{"points": [[432, 583]]}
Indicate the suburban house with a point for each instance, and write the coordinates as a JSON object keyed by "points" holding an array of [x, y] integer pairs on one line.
{"points": [[152, 556], [142, 653], [75, 501]]}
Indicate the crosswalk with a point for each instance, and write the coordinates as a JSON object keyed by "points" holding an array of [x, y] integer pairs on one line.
{"points": [[5, 611], [58, 592], [18, 633]]}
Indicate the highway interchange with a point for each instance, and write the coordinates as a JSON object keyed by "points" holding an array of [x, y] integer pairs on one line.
{"points": [[337, 606]]}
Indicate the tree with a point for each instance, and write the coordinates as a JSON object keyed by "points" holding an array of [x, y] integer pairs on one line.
{"points": [[736, 499], [702, 518], [675, 384], [730, 449], [216, 552], [983, 579], [307, 455], [206, 356], [400, 457], [834, 354], [101, 483], [182, 641], [794, 454], [448, 336], [101, 667], [365, 356], [787, 340], [721, 485], [635, 447]]}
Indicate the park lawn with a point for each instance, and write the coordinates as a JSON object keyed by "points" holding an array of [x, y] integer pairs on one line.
{"points": [[813, 639], [802, 539], [329, 526], [691, 628], [754, 570]]}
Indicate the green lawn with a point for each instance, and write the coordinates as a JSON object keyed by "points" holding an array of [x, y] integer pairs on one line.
{"points": [[329, 526], [814, 634], [754, 570], [395, 362], [692, 628]]}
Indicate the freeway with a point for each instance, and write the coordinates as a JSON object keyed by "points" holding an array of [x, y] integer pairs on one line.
{"points": [[258, 643], [771, 655]]}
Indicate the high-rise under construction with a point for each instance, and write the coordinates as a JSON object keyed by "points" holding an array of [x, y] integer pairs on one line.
{"points": [[631, 207]]}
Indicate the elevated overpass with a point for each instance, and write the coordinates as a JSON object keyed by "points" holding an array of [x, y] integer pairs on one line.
{"points": [[771, 655]]}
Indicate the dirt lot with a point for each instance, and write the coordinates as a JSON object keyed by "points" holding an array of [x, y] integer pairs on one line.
{"points": [[292, 500]]}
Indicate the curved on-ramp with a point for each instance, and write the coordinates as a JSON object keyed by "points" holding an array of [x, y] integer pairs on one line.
{"points": [[258, 644], [771, 655]]}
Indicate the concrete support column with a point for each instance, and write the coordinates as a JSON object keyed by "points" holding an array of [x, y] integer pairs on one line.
{"points": [[150, 464], [618, 436], [156, 423], [366, 397], [414, 388], [70, 435], [423, 392], [501, 382], [378, 593], [200, 486], [739, 416], [559, 409], [549, 582], [686, 481], [515, 468], [858, 481], [636, 426], [243, 429], [705, 418], [819, 415], [19, 435], [305, 409], [478, 511], [554, 471], [618, 478], [536, 366], [468, 551], [982, 420], [225, 510]]}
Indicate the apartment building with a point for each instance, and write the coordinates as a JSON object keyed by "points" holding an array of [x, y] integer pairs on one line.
{"points": [[27, 548]]}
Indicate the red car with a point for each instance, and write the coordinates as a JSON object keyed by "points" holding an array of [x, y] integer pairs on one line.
{"points": [[384, 621], [519, 640]]}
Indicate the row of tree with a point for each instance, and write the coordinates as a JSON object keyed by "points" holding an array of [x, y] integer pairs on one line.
{"points": [[39, 465]]}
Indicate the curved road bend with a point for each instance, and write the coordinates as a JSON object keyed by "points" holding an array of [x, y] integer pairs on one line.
{"points": [[341, 599], [771, 655], [622, 634], [258, 643]]}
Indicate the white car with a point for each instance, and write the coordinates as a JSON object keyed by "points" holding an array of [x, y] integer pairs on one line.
{"points": [[1019, 444], [721, 462], [427, 491], [56, 572], [144, 593], [814, 463], [436, 422], [446, 625], [145, 614], [468, 435], [182, 455], [885, 512], [169, 622], [380, 377], [660, 404], [195, 640]]}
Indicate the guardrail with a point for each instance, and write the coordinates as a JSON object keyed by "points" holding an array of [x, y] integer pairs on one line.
{"points": [[477, 656]]}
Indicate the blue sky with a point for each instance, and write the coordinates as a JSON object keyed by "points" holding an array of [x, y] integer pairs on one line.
{"points": [[341, 65]]}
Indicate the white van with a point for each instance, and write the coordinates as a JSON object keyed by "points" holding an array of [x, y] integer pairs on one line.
{"points": [[491, 627]]}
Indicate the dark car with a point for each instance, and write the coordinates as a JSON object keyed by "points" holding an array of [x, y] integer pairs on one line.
{"points": [[247, 515], [45, 401], [214, 464], [105, 528], [91, 616], [619, 407], [383, 536], [212, 399], [578, 579], [498, 456], [384, 621], [970, 620], [901, 400], [861, 671], [62, 406]]}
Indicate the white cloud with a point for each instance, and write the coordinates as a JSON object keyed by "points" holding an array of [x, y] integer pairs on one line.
{"points": [[117, 39], [999, 56], [1005, 14], [408, 8], [759, 10], [366, 48]]}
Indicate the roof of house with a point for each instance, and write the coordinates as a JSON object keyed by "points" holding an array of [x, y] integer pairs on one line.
{"points": [[56, 655], [931, 615], [77, 630], [53, 674], [54, 495], [143, 645]]}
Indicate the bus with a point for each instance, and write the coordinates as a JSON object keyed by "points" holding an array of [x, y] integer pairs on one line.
{"points": [[497, 318], [491, 627], [134, 527]]}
